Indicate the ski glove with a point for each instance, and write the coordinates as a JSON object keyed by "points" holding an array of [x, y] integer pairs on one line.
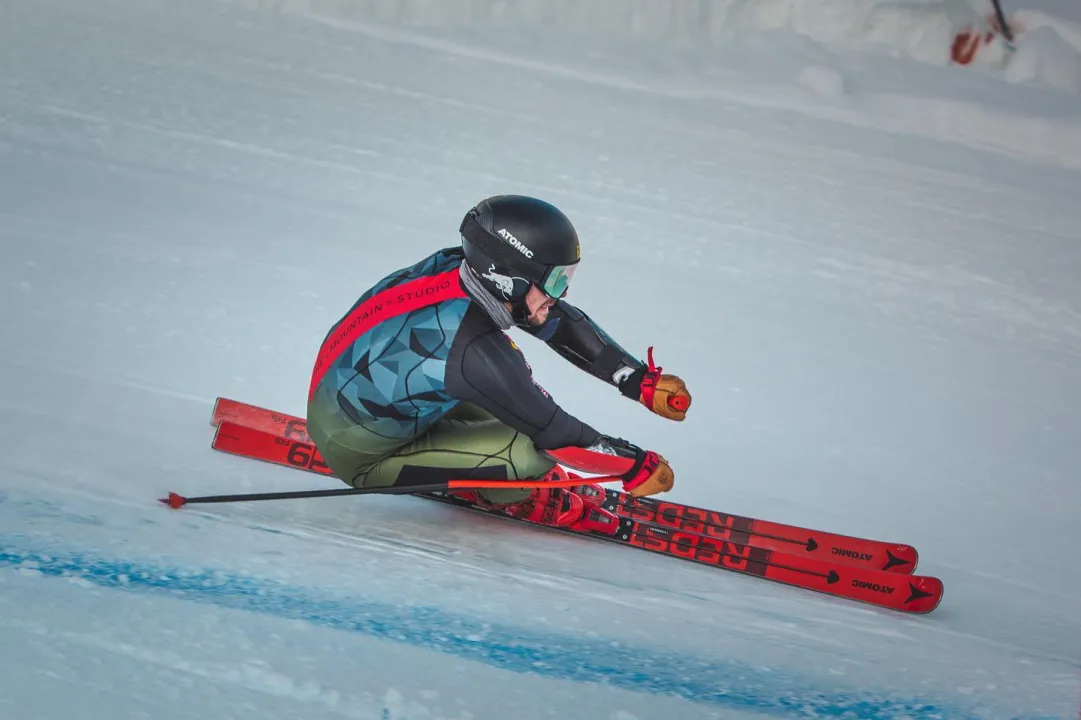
{"points": [[650, 475], [666, 395]]}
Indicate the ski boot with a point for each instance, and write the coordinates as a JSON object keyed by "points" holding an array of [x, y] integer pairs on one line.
{"points": [[576, 508]]}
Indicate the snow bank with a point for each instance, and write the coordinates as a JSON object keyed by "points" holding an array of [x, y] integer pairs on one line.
{"points": [[1048, 51], [921, 28], [780, 73]]}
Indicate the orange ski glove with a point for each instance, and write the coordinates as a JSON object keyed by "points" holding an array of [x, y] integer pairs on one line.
{"points": [[665, 395], [650, 475]]}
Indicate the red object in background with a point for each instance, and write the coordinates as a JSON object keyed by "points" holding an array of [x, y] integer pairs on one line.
{"points": [[967, 43]]}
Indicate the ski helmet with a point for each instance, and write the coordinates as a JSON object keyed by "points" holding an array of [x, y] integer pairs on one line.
{"points": [[514, 241]]}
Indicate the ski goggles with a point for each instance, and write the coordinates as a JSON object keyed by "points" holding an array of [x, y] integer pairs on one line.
{"points": [[557, 280]]}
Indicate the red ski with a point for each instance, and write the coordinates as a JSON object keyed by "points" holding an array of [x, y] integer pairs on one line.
{"points": [[860, 552], [294, 447], [905, 593], [893, 591], [743, 545]]}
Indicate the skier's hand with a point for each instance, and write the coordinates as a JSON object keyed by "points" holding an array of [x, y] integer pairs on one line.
{"points": [[650, 476], [666, 395]]}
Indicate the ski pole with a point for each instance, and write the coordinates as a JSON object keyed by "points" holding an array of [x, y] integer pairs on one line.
{"points": [[177, 501], [1003, 26]]}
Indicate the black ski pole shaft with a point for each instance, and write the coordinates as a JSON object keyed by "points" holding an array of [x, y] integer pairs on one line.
{"points": [[1003, 25], [177, 501]]}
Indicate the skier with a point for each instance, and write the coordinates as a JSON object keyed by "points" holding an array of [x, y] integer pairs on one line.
{"points": [[419, 382]]}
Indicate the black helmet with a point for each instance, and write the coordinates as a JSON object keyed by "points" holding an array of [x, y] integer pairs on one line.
{"points": [[514, 241]]}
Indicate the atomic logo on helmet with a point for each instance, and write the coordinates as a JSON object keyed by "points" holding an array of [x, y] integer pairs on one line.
{"points": [[515, 242]]}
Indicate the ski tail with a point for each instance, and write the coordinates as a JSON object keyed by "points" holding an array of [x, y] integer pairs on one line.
{"points": [[258, 444]]}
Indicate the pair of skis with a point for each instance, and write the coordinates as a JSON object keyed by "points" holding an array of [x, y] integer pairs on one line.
{"points": [[870, 571]]}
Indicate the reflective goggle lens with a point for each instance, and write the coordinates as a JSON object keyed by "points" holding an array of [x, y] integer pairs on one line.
{"points": [[558, 280]]}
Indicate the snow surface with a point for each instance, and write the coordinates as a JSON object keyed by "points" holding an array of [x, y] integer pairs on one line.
{"points": [[865, 265], [918, 29]]}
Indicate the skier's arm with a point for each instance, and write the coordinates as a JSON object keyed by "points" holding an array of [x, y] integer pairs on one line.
{"points": [[575, 336], [488, 371], [572, 334]]}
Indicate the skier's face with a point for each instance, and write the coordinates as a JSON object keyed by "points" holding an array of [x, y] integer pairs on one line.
{"points": [[538, 304]]}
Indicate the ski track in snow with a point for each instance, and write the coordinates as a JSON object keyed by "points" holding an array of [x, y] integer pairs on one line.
{"points": [[880, 325]]}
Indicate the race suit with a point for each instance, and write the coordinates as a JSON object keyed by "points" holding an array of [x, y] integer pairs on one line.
{"points": [[419, 383]]}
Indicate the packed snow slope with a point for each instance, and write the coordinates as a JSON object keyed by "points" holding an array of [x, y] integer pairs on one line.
{"points": [[864, 266], [1047, 32]]}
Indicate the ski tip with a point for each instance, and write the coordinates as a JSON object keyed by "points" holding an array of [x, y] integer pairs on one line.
{"points": [[901, 559], [925, 594], [174, 501]]}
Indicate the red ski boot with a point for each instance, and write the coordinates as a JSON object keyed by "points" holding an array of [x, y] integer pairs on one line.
{"points": [[565, 508], [592, 494], [574, 508]]}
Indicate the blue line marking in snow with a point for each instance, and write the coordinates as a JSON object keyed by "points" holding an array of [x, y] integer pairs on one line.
{"points": [[578, 659]]}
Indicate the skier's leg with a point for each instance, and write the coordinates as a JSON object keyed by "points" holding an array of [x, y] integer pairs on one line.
{"points": [[469, 443], [349, 449], [466, 443]]}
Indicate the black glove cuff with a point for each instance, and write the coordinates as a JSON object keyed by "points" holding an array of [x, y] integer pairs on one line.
{"points": [[631, 386], [624, 448], [639, 462]]}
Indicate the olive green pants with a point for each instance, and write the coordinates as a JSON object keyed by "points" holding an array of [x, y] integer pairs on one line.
{"points": [[467, 443]]}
